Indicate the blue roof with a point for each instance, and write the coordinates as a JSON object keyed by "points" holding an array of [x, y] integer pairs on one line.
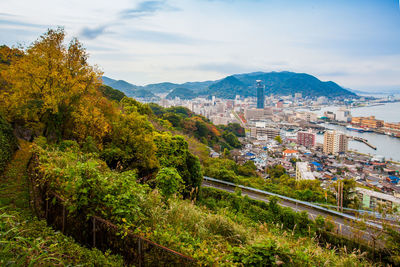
{"points": [[316, 163], [250, 154], [307, 153]]}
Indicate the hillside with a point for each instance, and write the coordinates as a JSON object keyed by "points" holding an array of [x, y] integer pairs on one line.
{"points": [[288, 83], [277, 83], [228, 88], [129, 89], [182, 93]]}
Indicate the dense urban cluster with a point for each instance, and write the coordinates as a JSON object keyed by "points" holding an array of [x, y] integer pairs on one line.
{"points": [[286, 131]]}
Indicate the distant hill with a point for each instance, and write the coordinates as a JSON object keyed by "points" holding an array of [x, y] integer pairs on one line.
{"points": [[288, 83], [228, 88], [182, 93], [277, 83], [129, 89]]}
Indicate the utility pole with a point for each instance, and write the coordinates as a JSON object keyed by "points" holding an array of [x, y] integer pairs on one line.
{"points": [[339, 196]]}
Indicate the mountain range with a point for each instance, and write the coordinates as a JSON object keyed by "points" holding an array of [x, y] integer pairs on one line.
{"points": [[277, 83]]}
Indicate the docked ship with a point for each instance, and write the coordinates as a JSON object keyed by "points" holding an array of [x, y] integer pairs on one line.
{"points": [[356, 129]]}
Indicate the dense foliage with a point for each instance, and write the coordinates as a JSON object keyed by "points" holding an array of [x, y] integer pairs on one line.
{"points": [[50, 89], [111, 93], [8, 143], [182, 119]]}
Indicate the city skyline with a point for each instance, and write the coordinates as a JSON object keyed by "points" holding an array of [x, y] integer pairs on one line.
{"points": [[355, 44]]}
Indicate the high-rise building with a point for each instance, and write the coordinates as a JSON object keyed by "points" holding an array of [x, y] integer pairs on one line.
{"points": [[306, 139], [335, 142], [260, 94]]}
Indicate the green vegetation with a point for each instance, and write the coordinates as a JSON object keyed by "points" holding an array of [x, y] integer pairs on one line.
{"points": [[183, 120], [213, 235], [111, 93], [32, 243], [279, 181], [235, 128], [277, 83], [27, 241], [131, 164], [8, 143]]}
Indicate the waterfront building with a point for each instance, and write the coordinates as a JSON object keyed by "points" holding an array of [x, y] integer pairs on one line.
{"points": [[367, 122], [303, 171], [335, 142], [343, 115], [260, 94], [393, 126], [306, 139], [330, 115]]}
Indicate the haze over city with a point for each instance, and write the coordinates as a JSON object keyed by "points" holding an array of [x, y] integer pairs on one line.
{"points": [[354, 43]]}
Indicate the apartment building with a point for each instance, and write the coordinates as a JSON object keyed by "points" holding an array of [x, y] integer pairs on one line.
{"points": [[335, 142]]}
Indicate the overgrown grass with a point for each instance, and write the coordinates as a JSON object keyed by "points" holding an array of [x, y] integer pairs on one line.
{"points": [[27, 241], [30, 242]]}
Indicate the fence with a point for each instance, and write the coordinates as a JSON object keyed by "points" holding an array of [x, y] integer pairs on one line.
{"points": [[97, 232]]}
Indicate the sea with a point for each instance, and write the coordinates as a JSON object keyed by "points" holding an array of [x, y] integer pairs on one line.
{"points": [[387, 146]]}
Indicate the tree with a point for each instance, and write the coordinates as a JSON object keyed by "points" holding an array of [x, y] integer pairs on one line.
{"points": [[172, 151], [48, 83], [169, 182], [278, 139], [231, 139], [350, 199]]}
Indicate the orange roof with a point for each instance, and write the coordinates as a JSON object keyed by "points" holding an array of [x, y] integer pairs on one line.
{"points": [[290, 151]]}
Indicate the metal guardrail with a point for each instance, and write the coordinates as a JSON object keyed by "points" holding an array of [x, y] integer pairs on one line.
{"points": [[304, 203]]}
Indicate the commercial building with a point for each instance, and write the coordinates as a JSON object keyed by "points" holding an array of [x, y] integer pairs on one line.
{"points": [[303, 171], [260, 94], [306, 139], [367, 122], [335, 142]]}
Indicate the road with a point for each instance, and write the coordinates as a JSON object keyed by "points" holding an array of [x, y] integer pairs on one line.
{"points": [[342, 226]]}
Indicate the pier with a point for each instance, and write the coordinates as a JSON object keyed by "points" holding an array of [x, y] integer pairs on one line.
{"points": [[365, 141]]}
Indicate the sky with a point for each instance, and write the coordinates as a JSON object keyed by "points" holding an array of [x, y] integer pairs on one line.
{"points": [[353, 43]]}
